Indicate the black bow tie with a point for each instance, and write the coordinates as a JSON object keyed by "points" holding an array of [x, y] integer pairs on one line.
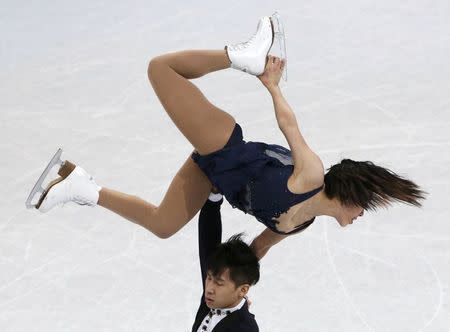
{"points": [[213, 312], [218, 312]]}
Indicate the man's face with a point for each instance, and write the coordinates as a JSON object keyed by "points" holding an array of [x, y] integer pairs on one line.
{"points": [[221, 291]]}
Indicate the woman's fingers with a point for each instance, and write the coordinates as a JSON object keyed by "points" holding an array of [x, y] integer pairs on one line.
{"points": [[275, 63]]}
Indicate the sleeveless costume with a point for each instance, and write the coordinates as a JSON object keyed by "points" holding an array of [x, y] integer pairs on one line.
{"points": [[253, 178]]}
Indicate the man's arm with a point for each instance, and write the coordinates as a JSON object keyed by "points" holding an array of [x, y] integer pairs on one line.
{"points": [[209, 232]]}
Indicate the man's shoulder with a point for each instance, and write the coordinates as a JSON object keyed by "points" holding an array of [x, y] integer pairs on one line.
{"points": [[246, 321], [249, 325]]}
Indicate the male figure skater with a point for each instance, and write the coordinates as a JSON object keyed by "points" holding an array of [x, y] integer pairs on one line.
{"points": [[228, 270]]}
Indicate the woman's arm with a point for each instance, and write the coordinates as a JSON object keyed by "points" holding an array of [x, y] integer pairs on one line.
{"points": [[264, 241], [306, 162]]}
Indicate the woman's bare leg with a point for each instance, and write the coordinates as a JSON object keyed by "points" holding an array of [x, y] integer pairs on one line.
{"points": [[184, 198], [207, 128]]}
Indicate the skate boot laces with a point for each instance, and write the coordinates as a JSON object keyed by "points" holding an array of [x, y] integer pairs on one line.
{"points": [[241, 46]]}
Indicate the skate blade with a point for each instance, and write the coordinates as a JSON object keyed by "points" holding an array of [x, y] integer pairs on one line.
{"points": [[280, 40], [63, 172]]}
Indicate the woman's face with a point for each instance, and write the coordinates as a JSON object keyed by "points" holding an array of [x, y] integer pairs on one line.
{"points": [[349, 214]]}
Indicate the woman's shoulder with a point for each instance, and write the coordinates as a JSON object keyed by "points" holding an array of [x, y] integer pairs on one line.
{"points": [[310, 177], [302, 185]]}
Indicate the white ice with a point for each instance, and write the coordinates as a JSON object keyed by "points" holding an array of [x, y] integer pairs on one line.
{"points": [[368, 80]]}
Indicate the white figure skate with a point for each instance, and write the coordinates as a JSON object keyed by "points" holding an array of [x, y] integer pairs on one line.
{"points": [[250, 56], [73, 185], [279, 45]]}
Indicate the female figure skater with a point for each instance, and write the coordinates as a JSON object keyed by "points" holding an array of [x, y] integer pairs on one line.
{"points": [[284, 189]]}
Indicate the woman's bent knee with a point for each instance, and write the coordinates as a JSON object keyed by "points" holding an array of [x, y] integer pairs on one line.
{"points": [[154, 66], [163, 228]]}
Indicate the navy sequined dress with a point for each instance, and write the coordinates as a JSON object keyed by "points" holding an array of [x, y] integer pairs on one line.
{"points": [[253, 177]]}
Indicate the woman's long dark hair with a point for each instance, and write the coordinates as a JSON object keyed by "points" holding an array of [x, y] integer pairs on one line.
{"points": [[364, 184]]}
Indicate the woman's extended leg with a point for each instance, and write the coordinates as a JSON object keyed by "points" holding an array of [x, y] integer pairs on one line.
{"points": [[184, 198], [205, 126]]}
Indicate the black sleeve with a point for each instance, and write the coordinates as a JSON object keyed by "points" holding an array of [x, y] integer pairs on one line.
{"points": [[209, 232]]}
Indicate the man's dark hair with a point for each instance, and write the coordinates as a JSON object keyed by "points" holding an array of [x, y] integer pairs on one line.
{"points": [[238, 257], [364, 184]]}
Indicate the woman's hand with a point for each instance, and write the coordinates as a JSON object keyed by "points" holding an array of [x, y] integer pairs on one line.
{"points": [[264, 241], [272, 72], [258, 248]]}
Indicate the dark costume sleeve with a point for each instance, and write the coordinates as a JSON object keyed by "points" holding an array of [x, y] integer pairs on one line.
{"points": [[209, 232], [209, 237]]}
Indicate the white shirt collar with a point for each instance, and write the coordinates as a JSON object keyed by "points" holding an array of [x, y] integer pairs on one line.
{"points": [[230, 310]]}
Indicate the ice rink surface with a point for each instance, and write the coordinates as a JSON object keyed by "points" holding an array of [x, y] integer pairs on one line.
{"points": [[368, 80]]}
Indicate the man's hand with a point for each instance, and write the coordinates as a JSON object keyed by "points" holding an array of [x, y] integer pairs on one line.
{"points": [[249, 303], [272, 72]]}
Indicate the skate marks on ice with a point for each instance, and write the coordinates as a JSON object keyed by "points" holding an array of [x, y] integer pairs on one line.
{"points": [[441, 292], [420, 255], [341, 283]]}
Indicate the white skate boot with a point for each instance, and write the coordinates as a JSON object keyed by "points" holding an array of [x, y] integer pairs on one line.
{"points": [[74, 185], [250, 56]]}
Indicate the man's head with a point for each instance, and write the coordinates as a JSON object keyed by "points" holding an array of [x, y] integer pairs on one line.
{"points": [[232, 268]]}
